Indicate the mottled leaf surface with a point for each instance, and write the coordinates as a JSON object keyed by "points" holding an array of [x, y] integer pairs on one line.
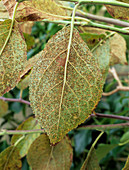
{"points": [[3, 107], [126, 167], [35, 10], [103, 55], [24, 145], [3, 12], [119, 12], [61, 106], [10, 159], [42, 155], [13, 58], [92, 162]]}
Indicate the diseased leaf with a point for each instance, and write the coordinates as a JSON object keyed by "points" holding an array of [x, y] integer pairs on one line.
{"points": [[24, 145], [62, 105], [103, 55], [117, 43], [3, 108], [92, 163], [26, 27], [119, 12], [126, 167], [3, 12], [35, 10], [42, 155], [92, 39], [10, 159], [103, 149], [13, 58], [118, 50]]}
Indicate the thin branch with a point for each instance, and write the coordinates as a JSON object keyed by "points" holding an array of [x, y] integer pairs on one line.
{"points": [[104, 127], [15, 100], [102, 19], [118, 88], [110, 116], [114, 73], [89, 24], [20, 132], [100, 2]]}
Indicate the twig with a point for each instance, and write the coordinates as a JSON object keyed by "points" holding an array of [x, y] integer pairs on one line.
{"points": [[15, 100], [20, 132], [114, 73], [110, 116], [118, 88], [104, 127], [102, 19]]}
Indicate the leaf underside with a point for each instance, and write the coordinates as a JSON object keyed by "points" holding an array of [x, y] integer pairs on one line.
{"points": [[13, 58], [119, 12], [35, 10], [60, 110], [43, 156]]}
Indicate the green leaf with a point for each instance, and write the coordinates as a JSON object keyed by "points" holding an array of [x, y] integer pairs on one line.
{"points": [[124, 139], [119, 12], [30, 41], [126, 167], [24, 82], [35, 10], [10, 159], [3, 108], [25, 143], [91, 162], [13, 58], [103, 149], [103, 55], [61, 106], [43, 155]]}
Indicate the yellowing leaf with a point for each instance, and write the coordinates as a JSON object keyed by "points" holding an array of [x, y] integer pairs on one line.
{"points": [[126, 167], [10, 159], [3, 12], [3, 108], [118, 50], [35, 10], [42, 155], [119, 12], [62, 105], [29, 41], [13, 58], [24, 144]]}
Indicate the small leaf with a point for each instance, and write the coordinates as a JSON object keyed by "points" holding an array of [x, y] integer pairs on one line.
{"points": [[24, 82], [126, 167], [61, 109], [35, 10], [92, 39], [103, 149], [3, 108], [3, 12], [13, 58], [25, 143], [118, 50], [124, 139], [92, 163], [10, 159], [103, 55], [42, 155], [119, 12], [30, 41]]}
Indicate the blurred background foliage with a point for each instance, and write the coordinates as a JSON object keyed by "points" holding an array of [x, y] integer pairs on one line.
{"points": [[111, 156]]}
